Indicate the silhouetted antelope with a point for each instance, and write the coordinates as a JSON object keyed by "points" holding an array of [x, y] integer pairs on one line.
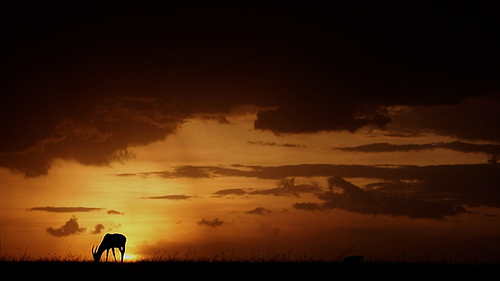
{"points": [[110, 241]]}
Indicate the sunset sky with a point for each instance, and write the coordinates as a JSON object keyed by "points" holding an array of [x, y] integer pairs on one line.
{"points": [[251, 130]]}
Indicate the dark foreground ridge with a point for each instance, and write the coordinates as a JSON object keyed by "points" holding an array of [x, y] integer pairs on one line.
{"points": [[197, 269]]}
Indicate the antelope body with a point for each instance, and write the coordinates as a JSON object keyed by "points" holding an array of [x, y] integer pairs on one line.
{"points": [[110, 241]]}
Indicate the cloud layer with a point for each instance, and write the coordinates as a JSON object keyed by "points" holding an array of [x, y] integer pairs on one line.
{"points": [[170, 197], [98, 137], [65, 209], [474, 118], [212, 223], [98, 228], [492, 150], [260, 211], [90, 93], [412, 191], [71, 227], [344, 195]]}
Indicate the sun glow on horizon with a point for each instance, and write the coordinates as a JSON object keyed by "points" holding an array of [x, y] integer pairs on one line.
{"points": [[217, 189]]}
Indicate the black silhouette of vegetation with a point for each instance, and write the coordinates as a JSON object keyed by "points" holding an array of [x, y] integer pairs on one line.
{"points": [[233, 269]]}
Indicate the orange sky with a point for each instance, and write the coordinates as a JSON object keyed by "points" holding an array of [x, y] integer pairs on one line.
{"points": [[251, 224], [248, 131]]}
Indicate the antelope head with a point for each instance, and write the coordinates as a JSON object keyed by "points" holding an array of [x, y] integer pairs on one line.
{"points": [[96, 256]]}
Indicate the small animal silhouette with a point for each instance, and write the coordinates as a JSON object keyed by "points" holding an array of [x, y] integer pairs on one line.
{"points": [[110, 241], [353, 259]]}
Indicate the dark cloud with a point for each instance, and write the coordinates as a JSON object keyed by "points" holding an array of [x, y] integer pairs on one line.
{"points": [[101, 82], [492, 150], [410, 203], [196, 172], [231, 191], [386, 147], [178, 172], [308, 206], [212, 223], [287, 187], [314, 117], [98, 137], [65, 209], [260, 211], [170, 197], [470, 184], [71, 227], [126, 174], [187, 172], [270, 172], [115, 212], [456, 145], [291, 145], [396, 190], [472, 119], [98, 229]]}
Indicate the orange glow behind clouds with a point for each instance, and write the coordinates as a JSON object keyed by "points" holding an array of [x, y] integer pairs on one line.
{"points": [[205, 217], [309, 131]]}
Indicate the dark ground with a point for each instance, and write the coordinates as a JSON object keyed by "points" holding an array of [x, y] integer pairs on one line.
{"points": [[234, 270]]}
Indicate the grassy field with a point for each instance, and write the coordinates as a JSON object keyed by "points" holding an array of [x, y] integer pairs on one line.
{"points": [[204, 269]]}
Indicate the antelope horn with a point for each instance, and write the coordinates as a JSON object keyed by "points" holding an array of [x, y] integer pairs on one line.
{"points": [[93, 249]]}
